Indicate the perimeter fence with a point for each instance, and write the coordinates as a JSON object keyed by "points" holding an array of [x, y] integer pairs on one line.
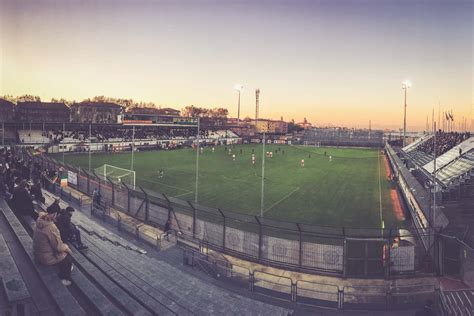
{"points": [[338, 251]]}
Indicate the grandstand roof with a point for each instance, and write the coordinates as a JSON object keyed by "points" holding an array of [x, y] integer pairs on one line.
{"points": [[42, 105], [97, 104], [450, 156], [5, 103]]}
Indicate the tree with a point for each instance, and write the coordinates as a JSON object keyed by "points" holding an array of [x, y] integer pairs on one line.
{"points": [[28, 98], [292, 127]]}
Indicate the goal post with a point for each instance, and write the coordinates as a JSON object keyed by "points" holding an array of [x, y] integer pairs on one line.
{"points": [[116, 174]]}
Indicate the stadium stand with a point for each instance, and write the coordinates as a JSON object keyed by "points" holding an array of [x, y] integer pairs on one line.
{"points": [[458, 170], [60, 300], [343, 137], [416, 143]]}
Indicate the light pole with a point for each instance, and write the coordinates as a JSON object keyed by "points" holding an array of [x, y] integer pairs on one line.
{"points": [[405, 86], [239, 88]]}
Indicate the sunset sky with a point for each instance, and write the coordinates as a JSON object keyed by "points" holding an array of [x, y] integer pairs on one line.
{"points": [[334, 62]]}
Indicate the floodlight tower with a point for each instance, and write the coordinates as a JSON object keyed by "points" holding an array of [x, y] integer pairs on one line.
{"points": [[239, 88], [257, 95], [405, 86]]}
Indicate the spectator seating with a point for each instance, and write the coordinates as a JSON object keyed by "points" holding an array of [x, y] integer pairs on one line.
{"points": [[416, 143], [32, 137], [149, 284], [450, 155], [458, 170], [63, 301], [419, 158], [343, 137], [12, 282]]}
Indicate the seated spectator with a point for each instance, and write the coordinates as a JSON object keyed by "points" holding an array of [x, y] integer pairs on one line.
{"points": [[22, 201], [48, 247], [96, 197], [69, 231], [36, 191], [54, 207]]}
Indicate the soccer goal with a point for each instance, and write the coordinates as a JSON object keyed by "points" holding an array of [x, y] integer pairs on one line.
{"points": [[116, 174]]}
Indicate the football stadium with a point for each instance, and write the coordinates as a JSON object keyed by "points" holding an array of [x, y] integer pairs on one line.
{"points": [[138, 178], [292, 192]]}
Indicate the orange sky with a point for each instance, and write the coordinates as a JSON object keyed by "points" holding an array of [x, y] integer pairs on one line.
{"points": [[333, 62]]}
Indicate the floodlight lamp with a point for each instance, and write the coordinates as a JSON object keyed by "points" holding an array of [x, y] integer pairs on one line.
{"points": [[406, 84]]}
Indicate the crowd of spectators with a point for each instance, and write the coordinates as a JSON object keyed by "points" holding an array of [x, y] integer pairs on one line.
{"points": [[444, 142], [124, 133], [21, 182]]}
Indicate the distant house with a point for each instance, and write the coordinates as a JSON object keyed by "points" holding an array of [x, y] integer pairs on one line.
{"points": [[42, 112], [305, 124], [6, 111], [95, 112], [272, 126], [169, 111]]}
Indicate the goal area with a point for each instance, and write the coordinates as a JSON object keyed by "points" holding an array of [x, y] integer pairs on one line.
{"points": [[116, 174]]}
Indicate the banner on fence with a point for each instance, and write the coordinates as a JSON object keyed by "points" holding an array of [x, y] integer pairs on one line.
{"points": [[280, 250], [402, 258], [321, 256], [72, 177]]}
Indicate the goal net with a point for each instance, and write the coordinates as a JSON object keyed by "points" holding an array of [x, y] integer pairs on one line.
{"points": [[116, 175]]}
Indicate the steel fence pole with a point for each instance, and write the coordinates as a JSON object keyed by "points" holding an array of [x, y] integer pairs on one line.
{"points": [[260, 240], [300, 254], [223, 228]]}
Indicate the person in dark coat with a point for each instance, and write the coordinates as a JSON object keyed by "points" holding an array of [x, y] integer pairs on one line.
{"points": [[22, 201], [36, 191], [69, 231], [54, 208]]}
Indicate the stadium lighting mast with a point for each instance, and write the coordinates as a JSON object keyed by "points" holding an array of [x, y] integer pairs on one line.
{"points": [[405, 86], [197, 162], [238, 87]]}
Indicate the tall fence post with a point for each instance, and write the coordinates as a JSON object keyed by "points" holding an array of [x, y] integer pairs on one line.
{"points": [[194, 218], [223, 229], [147, 203], [112, 185], [300, 239], [260, 239], [344, 255]]}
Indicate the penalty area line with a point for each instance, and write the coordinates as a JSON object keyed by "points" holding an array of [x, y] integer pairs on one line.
{"points": [[281, 200], [167, 185]]}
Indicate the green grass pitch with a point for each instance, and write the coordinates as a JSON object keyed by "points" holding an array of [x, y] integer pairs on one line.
{"points": [[351, 190]]}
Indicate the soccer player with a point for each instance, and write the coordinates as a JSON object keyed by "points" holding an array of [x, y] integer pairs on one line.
{"points": [[213, 148], [302, 163], [233, 157], [202, 150], [253, 159], [330, 158]]}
